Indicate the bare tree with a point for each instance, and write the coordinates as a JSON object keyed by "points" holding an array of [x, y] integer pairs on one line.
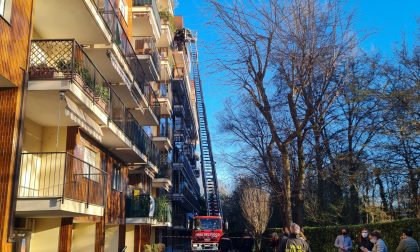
{"points": [[256, 209], [283, 55]]}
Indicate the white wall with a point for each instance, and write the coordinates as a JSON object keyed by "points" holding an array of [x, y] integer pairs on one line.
{"points": [[83, 237], [45, 236]]}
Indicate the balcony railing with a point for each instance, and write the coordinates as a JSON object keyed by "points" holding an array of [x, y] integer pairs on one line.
{"points": [[138, 206], [109, 14], [163, 211], [152, 100], [66, 60], [153, 5], [147, 46], [165, 171], [165, 128], [61, 175]]}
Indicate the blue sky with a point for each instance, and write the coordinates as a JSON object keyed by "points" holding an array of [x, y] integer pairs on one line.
{"points": [[385, 20]]}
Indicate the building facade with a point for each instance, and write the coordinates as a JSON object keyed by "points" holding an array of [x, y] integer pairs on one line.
{"points": [[98, 125]]}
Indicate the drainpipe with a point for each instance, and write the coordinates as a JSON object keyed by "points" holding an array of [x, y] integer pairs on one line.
{"points": [[18, 149]]}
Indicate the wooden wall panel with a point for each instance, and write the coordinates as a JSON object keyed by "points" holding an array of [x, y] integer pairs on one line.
{"points": [[14, 43], [121, 237], [66, 235], [100, 236]]}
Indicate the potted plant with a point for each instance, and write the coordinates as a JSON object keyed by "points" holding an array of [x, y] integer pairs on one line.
{"points": [[41, 71], [102, 96]]}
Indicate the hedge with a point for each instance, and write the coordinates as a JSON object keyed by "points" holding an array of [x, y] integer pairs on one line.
{"points": [[321, 239]]}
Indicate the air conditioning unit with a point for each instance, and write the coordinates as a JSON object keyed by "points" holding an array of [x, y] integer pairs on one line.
{"points": [[24, 224]]}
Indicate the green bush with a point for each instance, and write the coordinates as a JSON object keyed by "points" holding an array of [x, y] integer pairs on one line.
{"points": [[321, 239]]}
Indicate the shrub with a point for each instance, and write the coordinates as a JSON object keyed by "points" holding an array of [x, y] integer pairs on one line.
{"points": [[321, 239]]}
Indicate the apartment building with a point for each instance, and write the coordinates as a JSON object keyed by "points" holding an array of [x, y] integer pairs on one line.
{"points": [[104, 153], [186, 190], [15, 23]]}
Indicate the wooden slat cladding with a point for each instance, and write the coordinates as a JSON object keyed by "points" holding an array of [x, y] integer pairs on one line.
{"points": [[66, 235], [14, 43], [100, 236]]}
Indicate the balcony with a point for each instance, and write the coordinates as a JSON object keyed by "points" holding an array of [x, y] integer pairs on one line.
{"points": [[145, 48], [163, 213], [151, 114], [61, 68], [183, 165], [77, 19], [137, 209], [167, 5], [166, 63], [163, 135], [146, 18], [168, 29], [59, 184], [164, 178], [165, 98]]}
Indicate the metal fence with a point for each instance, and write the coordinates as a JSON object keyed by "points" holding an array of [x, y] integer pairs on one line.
{"points": [[61, 175]]}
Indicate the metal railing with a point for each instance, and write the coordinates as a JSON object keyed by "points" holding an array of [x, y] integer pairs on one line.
{"points": [[163, 211], [147, 46], [165, 128], [165, 171], [66, 60], [61, 175], [152, 100], [137, 206], [109, 14], [153, 5]]}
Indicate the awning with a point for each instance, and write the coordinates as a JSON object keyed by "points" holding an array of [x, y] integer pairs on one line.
{"points": [[86, 122]]}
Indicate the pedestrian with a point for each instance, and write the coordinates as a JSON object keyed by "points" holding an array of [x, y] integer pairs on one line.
{"points": [[407, 243], [247, 241], [275, 242], [343, 241], [379, 245], [294, 242], [225, 243], [286, 233], [363, 242]]}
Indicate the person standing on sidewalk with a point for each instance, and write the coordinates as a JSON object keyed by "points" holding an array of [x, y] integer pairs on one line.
{"points": [[294, 243], [407, 243], [343, 242]]}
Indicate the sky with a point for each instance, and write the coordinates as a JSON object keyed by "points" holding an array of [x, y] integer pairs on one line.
{"points": [[386, 21]]}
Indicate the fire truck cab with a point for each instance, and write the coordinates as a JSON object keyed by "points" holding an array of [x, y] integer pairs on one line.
{"points": [[206, 233]]}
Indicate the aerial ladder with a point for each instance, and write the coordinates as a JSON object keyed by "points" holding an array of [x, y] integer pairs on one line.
{"points": [[208, 168]]}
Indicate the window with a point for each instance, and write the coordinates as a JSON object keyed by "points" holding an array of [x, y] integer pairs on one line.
{"points": [[116, 178], [2, 7], [123, 9], [6, 9], [89, 167]]}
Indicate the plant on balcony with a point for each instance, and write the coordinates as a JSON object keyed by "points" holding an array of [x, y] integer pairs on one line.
{"points": [[168, 19], [41, 71], [162, 209], [102, 96], [138, 206]]}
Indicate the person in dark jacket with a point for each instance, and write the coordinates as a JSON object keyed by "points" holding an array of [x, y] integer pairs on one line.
{"points": [[407, 243], [275, 242], [225, 243], [363, 242], [294, 243], [247, 241]]}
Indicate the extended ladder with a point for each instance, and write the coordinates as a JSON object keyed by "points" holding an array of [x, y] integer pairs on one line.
{"points": [[207, 162]]}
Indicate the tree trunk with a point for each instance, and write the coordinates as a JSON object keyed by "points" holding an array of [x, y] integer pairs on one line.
{"points": [[379, 182], [300, 181], [287, 188], [319, 166]]}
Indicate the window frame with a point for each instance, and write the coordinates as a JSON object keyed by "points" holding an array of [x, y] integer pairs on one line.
{"points": [[116, 178], [123, 7], [86, 172]]}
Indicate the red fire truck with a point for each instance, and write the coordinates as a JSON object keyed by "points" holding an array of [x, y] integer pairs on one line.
{"points": [[206, 233]]}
